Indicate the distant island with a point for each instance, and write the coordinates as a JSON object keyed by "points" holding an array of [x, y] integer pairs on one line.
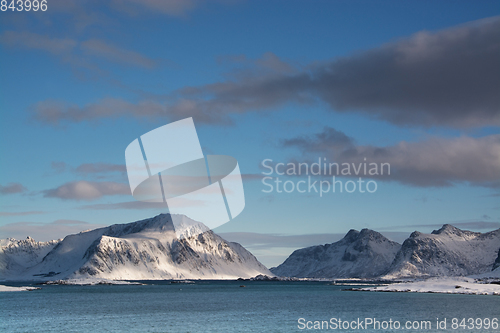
{"points": [[174, 247]]}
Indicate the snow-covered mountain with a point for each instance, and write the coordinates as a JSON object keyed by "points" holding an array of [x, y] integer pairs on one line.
{"points": [[362, 254], [448, 251], [163, 247], [18, 255]]}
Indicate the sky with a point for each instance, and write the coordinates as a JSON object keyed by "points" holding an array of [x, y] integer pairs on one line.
{"points": [[413, 85]]}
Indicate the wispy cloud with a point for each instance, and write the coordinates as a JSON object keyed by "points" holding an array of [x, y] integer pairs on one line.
{"points": [[29, 40], [446, 78], [168, 7], [258, 240], [159, 206], [127, 205], [327, 140], [45, 231], [133, 8], [55, 112], [85, 169], [12, 188], [33, 212], [99, 48], [81, 16], [472, 224], [86, 190], [100, 168], [77, 53]]}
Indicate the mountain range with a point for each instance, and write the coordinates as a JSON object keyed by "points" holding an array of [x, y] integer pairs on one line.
{"points": [[176, 247], [448, 251]]}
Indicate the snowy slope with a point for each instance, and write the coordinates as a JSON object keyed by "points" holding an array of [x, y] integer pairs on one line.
{"points": [[446, 285], [362, 254], [7, 288], [448, 251], [162, 247], [17, 255]]}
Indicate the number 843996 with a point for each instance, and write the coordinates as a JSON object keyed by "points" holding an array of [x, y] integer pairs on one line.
{"points": [[23, 5]]}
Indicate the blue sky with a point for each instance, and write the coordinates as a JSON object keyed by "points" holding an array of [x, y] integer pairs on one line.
{"points": [[287, 81]]}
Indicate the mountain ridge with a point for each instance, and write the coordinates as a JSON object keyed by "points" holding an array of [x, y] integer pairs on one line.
{"points": [[364, 253], [163, 247], [448, 251]]}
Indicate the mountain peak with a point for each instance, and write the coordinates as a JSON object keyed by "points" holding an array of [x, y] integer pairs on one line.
{"points": [[354, 235], [448, 251], [415, 234], [162, 223], [351, 235], [369, 233], [182, 225], [447, 228], [364, 253]]}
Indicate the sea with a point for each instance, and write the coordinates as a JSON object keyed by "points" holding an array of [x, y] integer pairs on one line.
{"points": [[241, 306]]}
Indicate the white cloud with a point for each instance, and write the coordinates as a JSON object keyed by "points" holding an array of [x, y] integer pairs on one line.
{"points": [[86, 190]]}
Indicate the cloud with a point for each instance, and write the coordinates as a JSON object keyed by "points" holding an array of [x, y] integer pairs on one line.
{"points": [[81, 15], [56, 112], [112, 53], [445, 78], [29, 40], [144, 205], [59, 167], [22, 213], [328, 139], [210, 111], [260, 241], [81, 54], [244, 66], [85, 190], [450, 78], [127, 205], [464, 225], [86, 169], [168, 7], [431, 162], [12, 188], [478, 225], [45, 231], [132, 7]]}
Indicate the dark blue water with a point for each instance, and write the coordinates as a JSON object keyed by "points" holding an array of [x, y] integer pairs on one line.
{"points": [[216, 306]]}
